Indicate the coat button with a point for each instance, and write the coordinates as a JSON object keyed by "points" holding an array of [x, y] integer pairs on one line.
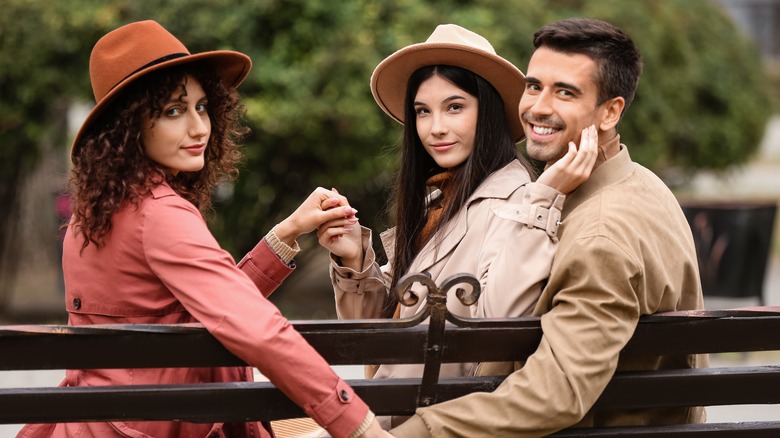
{"points": [[77, 303], [344, 395]]}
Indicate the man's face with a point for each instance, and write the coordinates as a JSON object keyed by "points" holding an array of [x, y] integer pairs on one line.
{"points": [[558, 103]]}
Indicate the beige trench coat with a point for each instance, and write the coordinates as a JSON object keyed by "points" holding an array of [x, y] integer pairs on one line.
{"points": [[505, 236]]}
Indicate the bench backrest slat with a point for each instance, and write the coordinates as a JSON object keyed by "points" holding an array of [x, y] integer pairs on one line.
{"points": [[345, 342]]}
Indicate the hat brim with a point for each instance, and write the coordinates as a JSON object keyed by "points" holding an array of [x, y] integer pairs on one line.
{"points": [[390, 78], [232, 67]]}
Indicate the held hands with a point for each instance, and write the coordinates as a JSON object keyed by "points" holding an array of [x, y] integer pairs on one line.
{"points": [[341, 236], [575, 167], [320, 207]]}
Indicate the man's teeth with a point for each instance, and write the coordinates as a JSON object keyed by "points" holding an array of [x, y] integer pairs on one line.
{"points": [[543, 131]]}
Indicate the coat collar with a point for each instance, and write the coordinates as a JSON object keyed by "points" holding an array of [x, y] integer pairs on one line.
{"points": [[499, 185], [611, 171], [161, 190]]}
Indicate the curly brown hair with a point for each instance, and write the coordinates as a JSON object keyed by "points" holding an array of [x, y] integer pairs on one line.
{"points": [[111, 169]]}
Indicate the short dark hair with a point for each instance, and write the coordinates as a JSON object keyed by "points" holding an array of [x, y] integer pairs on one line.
{"points": [[618, 61]]}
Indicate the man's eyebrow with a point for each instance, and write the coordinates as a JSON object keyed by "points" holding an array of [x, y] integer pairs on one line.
{"points": [[566, 85]]}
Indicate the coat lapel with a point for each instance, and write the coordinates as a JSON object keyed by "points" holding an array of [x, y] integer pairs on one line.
{"points": [[500, 185]]}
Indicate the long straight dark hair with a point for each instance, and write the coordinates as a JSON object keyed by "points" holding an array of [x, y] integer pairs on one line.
{"points": [[493, 149]]}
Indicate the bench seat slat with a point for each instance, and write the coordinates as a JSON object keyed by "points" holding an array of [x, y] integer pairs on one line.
{"points": [[244, 401], [760, 429]]}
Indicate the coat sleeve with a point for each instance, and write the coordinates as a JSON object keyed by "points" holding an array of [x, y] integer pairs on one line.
{"points": [[264, 268], [204, 278], [591, 319], [360, 295], [517, 251]]}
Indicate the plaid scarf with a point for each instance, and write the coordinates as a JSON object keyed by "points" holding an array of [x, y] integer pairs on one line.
{"points": [[443, 182]]}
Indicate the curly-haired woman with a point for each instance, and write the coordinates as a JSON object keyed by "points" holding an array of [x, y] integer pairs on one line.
{"points": [[164, 132]]}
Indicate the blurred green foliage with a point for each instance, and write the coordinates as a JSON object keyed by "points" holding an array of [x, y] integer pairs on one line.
{"points": [[702, 103]]}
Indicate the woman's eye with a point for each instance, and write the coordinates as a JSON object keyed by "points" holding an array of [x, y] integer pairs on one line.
{"points": [[201, 107], [456, 107], [173, 111], [421, 111]]}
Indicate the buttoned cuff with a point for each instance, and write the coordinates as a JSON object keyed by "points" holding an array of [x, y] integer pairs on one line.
{"points": [[341, 414], [544, 205], [283, 250], [264, 268], [349, 279], [414, 427]]}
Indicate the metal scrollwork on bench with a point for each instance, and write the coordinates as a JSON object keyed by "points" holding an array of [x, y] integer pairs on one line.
{"points": [[436, 309]]}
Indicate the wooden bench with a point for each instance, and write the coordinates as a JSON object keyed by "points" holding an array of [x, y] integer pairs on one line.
{"points": [[46, 347]]}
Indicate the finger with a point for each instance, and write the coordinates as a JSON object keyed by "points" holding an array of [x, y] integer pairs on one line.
{"points": [[330, 203], [324, 240], [346, 212], [586, 151], [335, 223], [323, 194], [330, 235], [582, 164], [336, 194], [567, 158]]}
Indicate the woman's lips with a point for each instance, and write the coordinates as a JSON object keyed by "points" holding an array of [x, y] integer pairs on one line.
{"points": [[443, 147], [196, 149]]}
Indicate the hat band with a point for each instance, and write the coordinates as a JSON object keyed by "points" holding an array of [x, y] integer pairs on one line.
{"points": [[151, 64]]}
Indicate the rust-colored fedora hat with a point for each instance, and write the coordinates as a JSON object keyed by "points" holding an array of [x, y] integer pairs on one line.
{"points": [[449, 44], [133, 50]]}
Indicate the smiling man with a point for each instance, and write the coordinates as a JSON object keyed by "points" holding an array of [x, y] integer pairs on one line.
{"points": [[625, 250]]}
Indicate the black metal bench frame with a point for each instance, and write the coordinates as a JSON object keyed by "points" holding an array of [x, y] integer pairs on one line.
{"points": [[42, 347]]}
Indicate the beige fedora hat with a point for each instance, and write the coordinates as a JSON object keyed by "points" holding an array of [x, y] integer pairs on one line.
{"points": [[136, 49], [449, 44]]}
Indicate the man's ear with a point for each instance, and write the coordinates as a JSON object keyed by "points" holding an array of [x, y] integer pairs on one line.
{"points": [[610, 113]]}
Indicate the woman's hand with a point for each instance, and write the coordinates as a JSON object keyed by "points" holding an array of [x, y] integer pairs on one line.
{"points": [[575, 167], [376, 431], [342, 237], [320, 207]]}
